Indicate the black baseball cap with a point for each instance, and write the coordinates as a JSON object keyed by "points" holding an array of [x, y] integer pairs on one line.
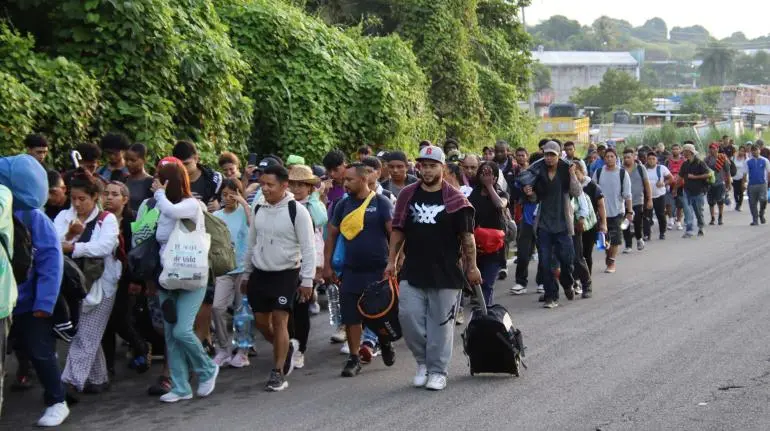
{"points": [[267, 162]]}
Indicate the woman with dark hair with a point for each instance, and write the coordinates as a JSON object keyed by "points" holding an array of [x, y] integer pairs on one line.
{"points": [[175, 202], [138, 181], [90, 236], [489, 201], [115, 200]]}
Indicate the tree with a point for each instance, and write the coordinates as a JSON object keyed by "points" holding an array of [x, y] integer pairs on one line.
{"points": [[718, 63], [752, 69], [557, 28], [541, 77], [654, 30], [703, 103], [696, 34], [617, 89]]}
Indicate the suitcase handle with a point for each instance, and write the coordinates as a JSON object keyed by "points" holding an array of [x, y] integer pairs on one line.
{"points": [[479, 294]]}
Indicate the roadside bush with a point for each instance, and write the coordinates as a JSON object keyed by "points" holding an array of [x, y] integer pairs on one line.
{"points": [[17, 117]]}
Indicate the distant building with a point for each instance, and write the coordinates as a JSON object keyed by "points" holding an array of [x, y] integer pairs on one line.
{"points": [[571, 70], [744, 96]]}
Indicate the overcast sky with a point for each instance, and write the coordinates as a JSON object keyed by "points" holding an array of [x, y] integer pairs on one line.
{"points": [[721, 19]]}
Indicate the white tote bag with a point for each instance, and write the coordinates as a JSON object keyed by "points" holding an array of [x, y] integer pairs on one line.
{"points": [[186, 257]]}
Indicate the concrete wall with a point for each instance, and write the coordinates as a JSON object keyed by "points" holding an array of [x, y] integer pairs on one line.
{"points": [[565, 79]]}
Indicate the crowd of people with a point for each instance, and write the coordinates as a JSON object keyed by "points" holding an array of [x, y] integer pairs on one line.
{"points": [[440, 224]]}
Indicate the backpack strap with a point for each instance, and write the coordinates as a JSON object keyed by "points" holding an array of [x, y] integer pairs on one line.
{"points": [[657, 171], [642, 174], [292, 211], [623, 174]]}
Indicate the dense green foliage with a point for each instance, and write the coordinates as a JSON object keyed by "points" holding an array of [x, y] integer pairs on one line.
{"points": [[617, 90], [263, 75], [66, 98]]}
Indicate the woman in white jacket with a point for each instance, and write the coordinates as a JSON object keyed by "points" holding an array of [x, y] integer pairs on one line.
{"points": [[185, 352], [91, 237]]}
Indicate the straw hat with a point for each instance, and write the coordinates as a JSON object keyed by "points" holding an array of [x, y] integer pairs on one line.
{"points": [[303, 174]]}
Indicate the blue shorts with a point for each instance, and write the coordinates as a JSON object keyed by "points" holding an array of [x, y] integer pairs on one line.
{"points": [[353, 286]]}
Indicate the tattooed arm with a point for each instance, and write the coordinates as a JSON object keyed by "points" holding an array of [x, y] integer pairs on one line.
{"points": [[469, 254]]}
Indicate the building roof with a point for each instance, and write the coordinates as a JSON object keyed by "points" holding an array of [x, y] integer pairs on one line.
{"points": [[584, 58]]}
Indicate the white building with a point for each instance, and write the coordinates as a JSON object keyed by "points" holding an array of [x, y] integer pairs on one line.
{"points": [[571, 70]]}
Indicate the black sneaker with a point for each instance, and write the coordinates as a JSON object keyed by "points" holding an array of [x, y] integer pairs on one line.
{"points": [[388, 354], [700, 232], [161, 387], [587, 294], [276, 382], [352, 366], [541, 298], [503, 274], [712, 222], [94, 389], [754, 223], [662, 236], [762, 219], [288, 365], [720, 222], [569, 293]]}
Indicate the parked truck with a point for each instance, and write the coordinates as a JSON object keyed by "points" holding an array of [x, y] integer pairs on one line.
{"points": [[565, 124]]}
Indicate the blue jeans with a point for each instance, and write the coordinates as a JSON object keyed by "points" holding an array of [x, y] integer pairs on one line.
{"points": [[693, 211], [184, 350], [489, 266], [550, 246], [35, 337]]}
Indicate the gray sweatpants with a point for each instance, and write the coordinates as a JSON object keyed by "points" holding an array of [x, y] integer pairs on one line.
{"points": [[427, 321], [757, 195]]}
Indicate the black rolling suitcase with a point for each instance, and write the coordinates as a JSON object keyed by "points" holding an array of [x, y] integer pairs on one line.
{"points": [[491, 342]]}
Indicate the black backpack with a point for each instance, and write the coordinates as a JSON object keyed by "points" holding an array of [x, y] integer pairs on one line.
{"points": [[378, 307], [623, 174], [491, 342], [22, 251], [292, 204]]}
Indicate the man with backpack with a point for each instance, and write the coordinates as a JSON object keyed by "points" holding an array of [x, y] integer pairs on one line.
{"points": [[279, 264], [658, 176], [695, 174], [720, 164], [675, 195], [641, 199], [36, 262], [616, 185]]}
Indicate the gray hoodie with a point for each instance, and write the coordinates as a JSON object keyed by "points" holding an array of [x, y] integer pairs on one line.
{"points": [[277, 245]]}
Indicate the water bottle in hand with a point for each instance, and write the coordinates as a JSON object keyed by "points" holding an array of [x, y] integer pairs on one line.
{"points": [[333, 296], [601, 241], [243, 326]]}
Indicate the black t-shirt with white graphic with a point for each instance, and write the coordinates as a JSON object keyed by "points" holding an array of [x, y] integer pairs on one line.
{"points": [[433, 248]]}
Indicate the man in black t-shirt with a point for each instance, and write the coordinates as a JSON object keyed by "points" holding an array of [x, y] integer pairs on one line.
{"points": [[204, 181], [434, 223], [695, 174]]}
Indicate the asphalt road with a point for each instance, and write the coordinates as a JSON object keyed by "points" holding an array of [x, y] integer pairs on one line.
{"points": [[677, 339]]}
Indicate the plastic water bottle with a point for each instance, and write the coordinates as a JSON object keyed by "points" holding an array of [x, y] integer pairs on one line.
{"points": [[333, 296], [625, 224], [601, 241], [243, 326]]}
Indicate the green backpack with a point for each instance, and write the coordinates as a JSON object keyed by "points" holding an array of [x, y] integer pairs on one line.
{"points": [[221, 252]]}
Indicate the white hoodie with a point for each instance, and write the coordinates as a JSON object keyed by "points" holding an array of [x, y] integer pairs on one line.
{"points": [[277, 245]]}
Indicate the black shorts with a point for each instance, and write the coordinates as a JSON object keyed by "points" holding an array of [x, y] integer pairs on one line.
{"points": [[716, 194], [353, 286], [614, 235], [272, 290]]}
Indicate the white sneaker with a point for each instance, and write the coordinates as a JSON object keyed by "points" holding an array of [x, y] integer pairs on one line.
{"points": [[640, 245], [54, 415], [340, 336], [534, 257], [436, 382], [345, 350], [240, 360], [172, 397], [421, 377], [670, 225], [627, 250], [206, 388], [518, 289], [678, 225], [299, 360], [540, 288], [222, 358], [314, 308]]}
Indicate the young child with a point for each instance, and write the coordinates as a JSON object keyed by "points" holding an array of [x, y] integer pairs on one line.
{"points": [[237, 216]]}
